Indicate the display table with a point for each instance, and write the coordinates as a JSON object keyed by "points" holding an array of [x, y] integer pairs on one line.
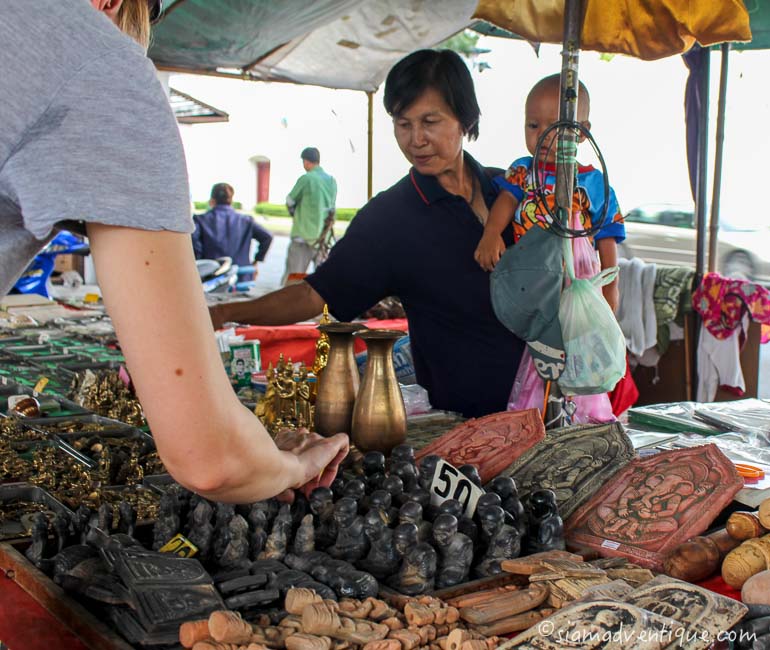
{"points": [[297, 342]]}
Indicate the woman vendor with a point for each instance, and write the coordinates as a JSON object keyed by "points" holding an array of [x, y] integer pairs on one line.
{"points": [[416, 241]]}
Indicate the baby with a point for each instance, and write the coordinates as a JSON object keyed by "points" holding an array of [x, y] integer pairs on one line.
{"points": [[518, 204]]}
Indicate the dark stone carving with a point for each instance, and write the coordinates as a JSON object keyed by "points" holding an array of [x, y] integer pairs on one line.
{"points": [[411, 513], [427, 469], [503, 544], [455, 552], [322, 507], [382, 560], [546, 530], [417, 572], [304, 539], [351, 543], [201, 530]]}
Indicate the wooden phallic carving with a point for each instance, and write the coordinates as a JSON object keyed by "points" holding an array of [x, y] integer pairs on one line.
{"points": [[491, 443], [574, 462], [703, 613], [605, 624], [654, 504]]}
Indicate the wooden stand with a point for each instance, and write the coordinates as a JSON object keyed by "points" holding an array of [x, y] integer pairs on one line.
{"points": [[92, 632]]}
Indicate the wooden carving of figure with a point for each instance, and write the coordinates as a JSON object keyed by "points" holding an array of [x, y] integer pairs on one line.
{"points": [[546, 529], [303, 391], [395, 486], [304, 539], [257, 520], [126, 518], [39, 548], [236, 553], [374, 470], [402, 453], [277, 544], [464, 524], [417, 572], [167, 524], [351, 543], [201, 529], [455, 552], [322, 507], [504, 542], [62, 526], [287, 391], [471, 472], [382, 560], [422, 496], [407, 472], [427, 469], [411, 513], [381, 499], [505, 486]]}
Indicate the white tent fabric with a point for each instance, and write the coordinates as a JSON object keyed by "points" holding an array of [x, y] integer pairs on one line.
{"points": [[369, 40]]}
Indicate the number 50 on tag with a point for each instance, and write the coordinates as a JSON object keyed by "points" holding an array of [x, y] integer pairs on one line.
{"points": [[451, 483]]}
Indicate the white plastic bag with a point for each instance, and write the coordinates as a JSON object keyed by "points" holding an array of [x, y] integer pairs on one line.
{"points": [[593, 341]]}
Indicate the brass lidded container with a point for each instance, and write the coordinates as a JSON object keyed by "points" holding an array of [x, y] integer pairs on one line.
{"points": [[338, 383], [379, 416]]}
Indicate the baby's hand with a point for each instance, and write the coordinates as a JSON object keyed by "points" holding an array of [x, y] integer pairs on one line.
{"points": [[489, 251]]}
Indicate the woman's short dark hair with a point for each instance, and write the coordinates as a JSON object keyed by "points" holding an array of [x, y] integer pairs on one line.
{"points": [[442, 70]]}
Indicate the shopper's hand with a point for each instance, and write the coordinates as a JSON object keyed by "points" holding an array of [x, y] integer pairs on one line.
{"points": [[489, 251], [320, 457]]}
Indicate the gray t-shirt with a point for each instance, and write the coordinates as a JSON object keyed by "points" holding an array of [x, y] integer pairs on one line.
{"points": [[86, 131]]}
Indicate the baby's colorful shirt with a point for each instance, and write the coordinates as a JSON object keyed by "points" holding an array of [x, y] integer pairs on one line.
{"points": [[588, 199]]}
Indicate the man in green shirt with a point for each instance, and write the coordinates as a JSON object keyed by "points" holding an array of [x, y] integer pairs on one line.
{"points": [[311, 201]]}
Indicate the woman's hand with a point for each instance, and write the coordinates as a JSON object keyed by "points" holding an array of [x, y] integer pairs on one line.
{"points": [[319, 457], [489, 251]]}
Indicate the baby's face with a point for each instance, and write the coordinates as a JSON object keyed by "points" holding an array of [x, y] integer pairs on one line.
{"points": [[541, 111]]}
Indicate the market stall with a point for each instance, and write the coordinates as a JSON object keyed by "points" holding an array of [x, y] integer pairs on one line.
{"points": [[534, 527]]}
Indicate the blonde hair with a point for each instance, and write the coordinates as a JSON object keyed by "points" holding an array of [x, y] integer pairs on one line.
{"points": [[133, 19]]}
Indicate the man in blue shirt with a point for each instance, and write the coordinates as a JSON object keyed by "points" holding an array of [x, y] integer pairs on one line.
{"points": [[223, 232]]}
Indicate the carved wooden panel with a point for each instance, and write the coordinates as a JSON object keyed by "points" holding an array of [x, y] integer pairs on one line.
{"points": [[574, 462], [604, 624], [491, 443], [655, 503], [703, 613]]}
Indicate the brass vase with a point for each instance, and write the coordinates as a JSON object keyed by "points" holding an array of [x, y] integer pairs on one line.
{"points": [[338, 383], [379, 416]]}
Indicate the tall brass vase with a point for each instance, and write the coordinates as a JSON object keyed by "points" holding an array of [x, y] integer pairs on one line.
{"points": [[338, 384], [379, 416]]}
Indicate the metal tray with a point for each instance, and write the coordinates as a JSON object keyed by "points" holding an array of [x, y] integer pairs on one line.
{"points": [[159, 482], [10, 492], [96, 425]]}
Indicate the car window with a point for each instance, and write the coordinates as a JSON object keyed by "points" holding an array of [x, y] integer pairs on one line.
{"points": [[676, 218], [640, 215]]}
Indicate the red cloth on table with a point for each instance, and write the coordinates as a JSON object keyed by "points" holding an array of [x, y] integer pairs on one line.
{"points": [[26, 625], [717, 585], [625, 393], [298, 341]]}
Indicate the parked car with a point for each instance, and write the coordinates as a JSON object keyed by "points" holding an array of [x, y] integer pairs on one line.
{"points": [[665, 234]]}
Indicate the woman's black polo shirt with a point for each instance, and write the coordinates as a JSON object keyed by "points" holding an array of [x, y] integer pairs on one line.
{"points": [[416, 241]]}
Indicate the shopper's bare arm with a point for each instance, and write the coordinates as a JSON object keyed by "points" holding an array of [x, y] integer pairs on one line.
{"points": [[208, 441], [292, 304]]}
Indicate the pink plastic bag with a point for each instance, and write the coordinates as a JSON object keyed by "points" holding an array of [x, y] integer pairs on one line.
{"points": [[528, 388]]}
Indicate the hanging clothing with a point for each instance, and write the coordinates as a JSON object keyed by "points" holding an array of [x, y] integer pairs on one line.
{"points": [[636, 310], [719, 362], [722, 303]]}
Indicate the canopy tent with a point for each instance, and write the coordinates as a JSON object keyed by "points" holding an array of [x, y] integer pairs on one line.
{"points": [[334, 43]]}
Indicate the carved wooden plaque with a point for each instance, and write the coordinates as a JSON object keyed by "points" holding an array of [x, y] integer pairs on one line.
{"points": [[703, 613], [654, 504], [574, 462], [491, 443], [605, 624]]}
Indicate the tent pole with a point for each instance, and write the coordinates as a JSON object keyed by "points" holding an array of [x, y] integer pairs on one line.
{"points": [[718, 155], [566, 147], [702, 170], [370, 143]]}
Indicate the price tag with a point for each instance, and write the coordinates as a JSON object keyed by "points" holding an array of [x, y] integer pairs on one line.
{"points": [[41, 384], [451, 483], [179, 545]]}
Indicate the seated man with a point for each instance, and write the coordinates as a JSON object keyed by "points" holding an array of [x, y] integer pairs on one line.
{"points": [[223, 232]]}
